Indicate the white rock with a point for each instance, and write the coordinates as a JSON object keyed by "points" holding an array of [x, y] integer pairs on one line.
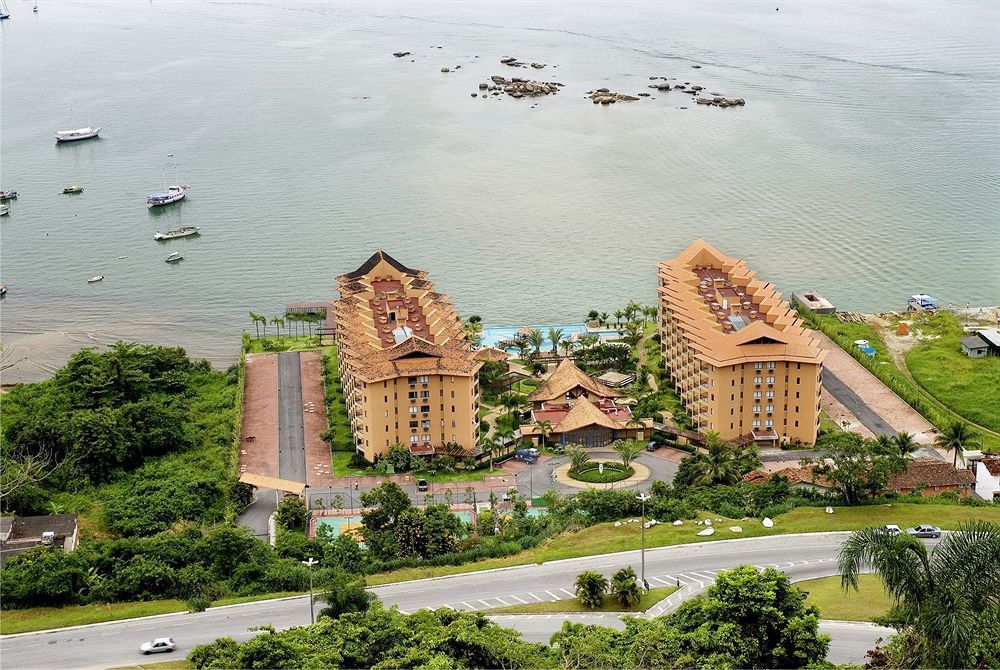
{"points": [[829, 510], [706, 532], [708, 522], [617, 523], [736, 529], [678, 522], [767, 522], [719, 520]]}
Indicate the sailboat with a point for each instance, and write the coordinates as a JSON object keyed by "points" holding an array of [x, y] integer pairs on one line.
{"points": [[169, 195], [79, 133], [4, 12]]}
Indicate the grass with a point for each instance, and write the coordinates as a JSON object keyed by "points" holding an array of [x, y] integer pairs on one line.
{"points": [[256, 345], [649, 599], [612, 473], [44, 618], [827, 424], [342, 469], [341, 437], [868, 602], [606, 538]]}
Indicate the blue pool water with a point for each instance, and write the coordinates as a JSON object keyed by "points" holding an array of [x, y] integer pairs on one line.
{"points": [[341, 524], [494, 334]]}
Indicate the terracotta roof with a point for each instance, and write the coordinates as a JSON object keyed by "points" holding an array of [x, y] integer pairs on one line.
{"points": [[492, 354], [930, 473], [390, 323], [793, 475], [565, 378], [696, 285], [583, 414], [992, 466]]}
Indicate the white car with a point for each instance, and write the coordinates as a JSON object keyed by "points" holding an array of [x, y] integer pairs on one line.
{"points": [[158, 645], [892, 529]]}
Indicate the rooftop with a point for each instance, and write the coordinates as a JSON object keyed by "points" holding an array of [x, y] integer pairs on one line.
{"points": [[565, 378], [974, 342], [925, 472], [992, 466]]}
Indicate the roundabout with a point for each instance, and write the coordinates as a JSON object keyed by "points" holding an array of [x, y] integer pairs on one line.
{"points": [[601, 472], [597, 480]]}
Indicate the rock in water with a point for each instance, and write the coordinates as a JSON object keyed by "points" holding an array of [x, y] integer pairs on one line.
{"points": [[401, 54]]}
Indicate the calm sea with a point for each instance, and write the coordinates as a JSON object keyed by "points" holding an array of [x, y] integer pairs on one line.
{"points": [[865, 164]]}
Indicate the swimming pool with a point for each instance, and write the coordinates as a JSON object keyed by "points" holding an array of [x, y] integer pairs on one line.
{"points": [[342, 524], [494, 334]]}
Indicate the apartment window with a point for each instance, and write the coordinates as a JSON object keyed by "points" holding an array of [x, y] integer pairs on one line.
{"points": [[452, 408], [424, 395], [756, 409], [424, 379], [412, 395], [425, 424], [798, 380], [796, 424], [757, 366], [770, 379], [412, 381], [756, 423], [798, 366], [769, 409], [732, 397], [757, 380], [387, 428], [385, 399], [414, 424], [452, 423], [387, 414], [796, 395], [733, 382], [442, 423], [414, 439], [425, 409], [427, 438], [770, 365], [768, 423], [770, 394], [756, 395], [452, 394], [731, 426], [413, 410], [796, 409]]}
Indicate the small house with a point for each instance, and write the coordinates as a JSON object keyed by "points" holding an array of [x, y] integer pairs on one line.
{"points": [[975, 347], [987, 472], [21, 533], [922, 303], [932, 478]]}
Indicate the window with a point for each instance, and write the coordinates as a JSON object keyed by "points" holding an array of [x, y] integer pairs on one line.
{"points": [[412, 381], [770, 379], [798, 366], [796, 409], [757, 366], [757, 380], [413, 424], [413, 410], [770, 365], [769, 409], [425, 409], [452, 423], [414, 439], [756, 395], [427, 438], [770, 394], [756, 423], [424, 379], [452, 394], [796, 424], [756, 409], [412, 395], [732, 397], [425, 424], [798, 380], [768, 423], [425, 395]]}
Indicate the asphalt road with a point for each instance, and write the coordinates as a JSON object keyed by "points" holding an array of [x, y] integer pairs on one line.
{"points": [[116, 643], [858, 407], [291, 431]]}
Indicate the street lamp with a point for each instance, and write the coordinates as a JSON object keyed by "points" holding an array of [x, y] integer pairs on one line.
{"points": [[310, 563], [642, 498]]}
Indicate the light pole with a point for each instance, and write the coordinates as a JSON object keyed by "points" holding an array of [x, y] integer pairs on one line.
{"points": [[642, 498], [310, 563]]}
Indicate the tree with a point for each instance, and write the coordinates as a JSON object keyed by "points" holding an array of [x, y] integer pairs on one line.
{"points": [[719, 463], [383, 506], [592, 315], [604, 318], [905, 443], [578, 457], [860, 467], [590, 587], [99, 445], [628, 451], [44, 576], [256, 322], [555, 337], [277, 322], [625, 587], [544, 429], [346, 593], [587, 341], [536, 339], [489, 445], [292, 513], [491, 373], [567, 346], [522, 347], [940, 595], [618, 317], [958, 436]]}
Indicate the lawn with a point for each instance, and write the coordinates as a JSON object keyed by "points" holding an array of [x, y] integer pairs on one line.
{"points": [[342, 469], [255, 345], [827, 424], [649, 599], [606, 538], [341, 437], [43, 618], [868, 602]]}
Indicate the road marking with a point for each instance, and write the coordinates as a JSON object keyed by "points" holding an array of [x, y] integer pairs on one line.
{"points": [[536, 597], [523, 602], [554, 596], [502, 600], [468, 606], [569, 593], [701, 576], [488, 606], [662, 581]]}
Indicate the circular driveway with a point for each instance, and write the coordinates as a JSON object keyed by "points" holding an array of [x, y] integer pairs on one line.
{"points": [[537, 479]]}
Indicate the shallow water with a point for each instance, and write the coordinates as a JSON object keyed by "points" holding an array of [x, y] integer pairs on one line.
{"points": [[865, 165]]}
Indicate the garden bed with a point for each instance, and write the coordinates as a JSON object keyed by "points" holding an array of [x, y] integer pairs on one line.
{"points": [[591, 473]]}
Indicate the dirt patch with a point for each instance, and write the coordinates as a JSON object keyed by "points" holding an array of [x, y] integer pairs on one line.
{"points": [[319, 469], [259, 427]]}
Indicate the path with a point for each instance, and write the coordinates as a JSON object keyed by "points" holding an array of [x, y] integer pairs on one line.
{"points": [[291, 429], [856, 406], [319, 469]]}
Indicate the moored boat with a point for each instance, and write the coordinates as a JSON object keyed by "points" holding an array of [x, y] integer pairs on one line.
{"points": [[9, 194], [183, 231], [174, 257], [172, 194], [95, 279], [4, 210], [73, 188], [78, 134], [3, 289]]}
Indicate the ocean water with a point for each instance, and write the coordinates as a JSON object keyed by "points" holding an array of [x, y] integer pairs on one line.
{"points": [[865, 164]]}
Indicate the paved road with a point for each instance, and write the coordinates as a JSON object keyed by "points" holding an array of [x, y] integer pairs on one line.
{"points": [[291, 431], [858, 407], [112, 644], [256, 515]]}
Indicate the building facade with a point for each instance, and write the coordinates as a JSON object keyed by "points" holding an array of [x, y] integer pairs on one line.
{"points": [[743, 363], [408, 372]]}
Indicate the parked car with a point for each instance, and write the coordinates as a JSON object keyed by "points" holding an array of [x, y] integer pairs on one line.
{"points": [[422, 485], [529, 455], [653, 445], [158, 645], [924, 531], [892, 529]]}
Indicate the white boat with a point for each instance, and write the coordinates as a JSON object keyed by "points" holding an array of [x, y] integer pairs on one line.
{"points": [[172, 194], [8, 194], [183, 231], [4, 12], [3, 289], [78, 134], [174, 257], [95, 279], [4, 210]]}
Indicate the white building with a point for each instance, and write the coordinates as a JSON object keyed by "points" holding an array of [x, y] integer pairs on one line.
{"points": [[987, 477]]}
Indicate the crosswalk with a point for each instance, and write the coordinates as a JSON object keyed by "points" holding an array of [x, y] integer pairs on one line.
{"points": [[691, 583]]}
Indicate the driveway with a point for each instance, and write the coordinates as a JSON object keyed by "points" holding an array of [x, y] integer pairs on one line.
{"points": [[291, 429], [856, 406]]}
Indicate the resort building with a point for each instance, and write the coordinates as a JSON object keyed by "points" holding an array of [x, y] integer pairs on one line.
{"points": [[743, 363], [409, 374], [579, 410]]}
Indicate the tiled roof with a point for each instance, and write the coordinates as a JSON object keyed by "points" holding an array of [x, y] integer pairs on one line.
{"points": [[992, 466], [930, 473], [491, 354], [565, 378], [706, 290], [583, 414], [793, 475], [378, 300]]}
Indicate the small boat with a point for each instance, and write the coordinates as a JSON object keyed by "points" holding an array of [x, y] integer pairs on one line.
{"points": [[4, 210], [95, 279], [78, 134], [9, 194], [3, 289], [73, 188], [174, 257], [170, 195], [183, 231], [4, 12]]}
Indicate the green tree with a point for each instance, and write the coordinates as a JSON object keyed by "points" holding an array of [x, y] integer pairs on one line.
{"points": [[567, 346], [522, 347], [626, 588], [44, 577], [905, 443], [383, 506], [861, 468], [536, 340], [99, 443], [957, 436], [590, 587], [555, 337], [940, 595], [618, 317], [292, 513], [628, 451], [578, 457], [544, 429], [256, 322], [604, 318], [592, 315], [718, 463], [344, 593]]}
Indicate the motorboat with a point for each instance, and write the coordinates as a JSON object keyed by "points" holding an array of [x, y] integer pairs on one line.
{"points": [[9, 194], [95, 279], [4, 12], [4, 210], [3, 289], [73, 188], [78, 134], [183, 231], [174, 257], [172, 194]]}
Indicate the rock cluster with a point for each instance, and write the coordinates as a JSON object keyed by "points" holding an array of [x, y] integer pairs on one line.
{"points": [[719, 101], [603, 96], [696, 91], [401, 54], [518, 87], [511, 61]]}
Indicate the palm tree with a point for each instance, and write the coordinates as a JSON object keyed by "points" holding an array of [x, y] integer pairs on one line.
{"points": [[905, 444], [587, 341], [958, 436], [604, 318], [718, 464], [522, 347], [651, 311], [628, 451], [884, 444], [633, 333], [276, 321], [489, 445], [591, 586], [578, 457], [625, 587], [630, 311], [941, 594], [544, 429], [255, 318], [536, 339], [567, 346], [618, 317], [592, 315], [555, 336]]}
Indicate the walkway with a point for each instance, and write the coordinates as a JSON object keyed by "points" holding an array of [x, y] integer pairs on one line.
{"points": [[291, 431]]}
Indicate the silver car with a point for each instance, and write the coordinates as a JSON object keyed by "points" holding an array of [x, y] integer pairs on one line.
{"points": [[924, 531], [158, 645]]}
